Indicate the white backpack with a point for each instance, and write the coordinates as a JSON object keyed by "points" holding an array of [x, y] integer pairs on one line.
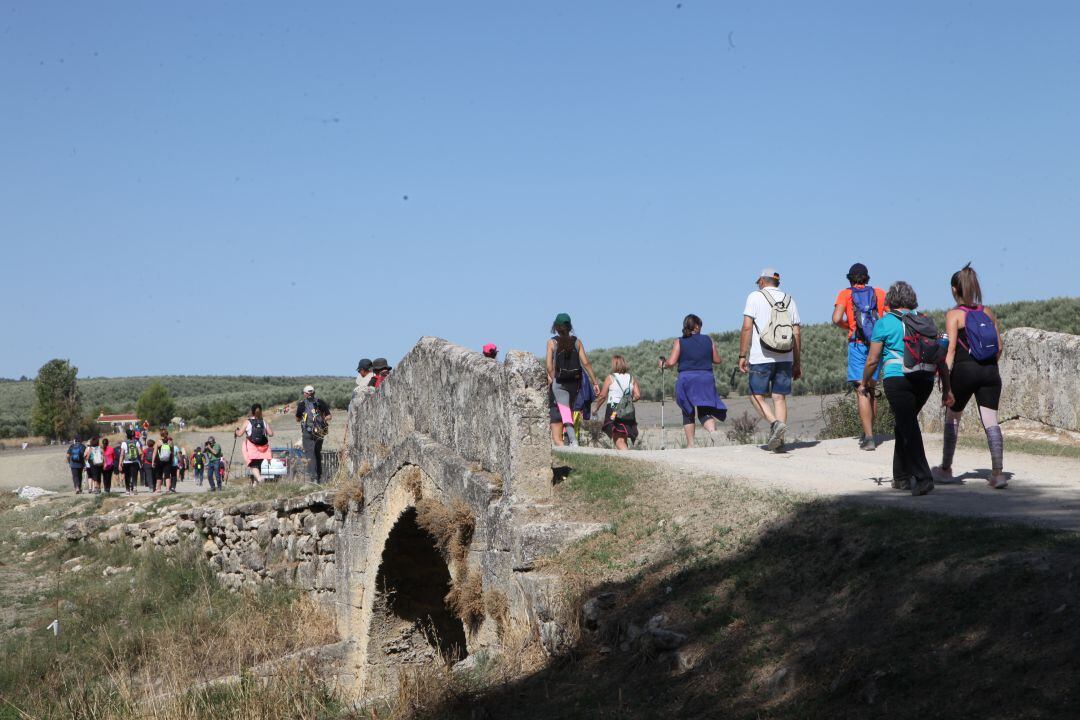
{"points": [[778, 334]]}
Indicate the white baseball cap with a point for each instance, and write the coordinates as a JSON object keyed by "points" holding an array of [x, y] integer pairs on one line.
{"points": [[309, 388], [769, 273]]}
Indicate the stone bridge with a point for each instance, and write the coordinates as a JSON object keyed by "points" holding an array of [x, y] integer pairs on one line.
{"points": [[439, 558]]}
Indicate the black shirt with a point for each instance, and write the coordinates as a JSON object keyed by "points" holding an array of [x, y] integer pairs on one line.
{"points": [[320, 406]]}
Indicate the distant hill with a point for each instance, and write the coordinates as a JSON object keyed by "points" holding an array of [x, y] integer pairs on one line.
{"points": [[193, 394], [824, 349]]}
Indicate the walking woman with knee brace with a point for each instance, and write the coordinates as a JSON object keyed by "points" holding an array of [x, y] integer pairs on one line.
{"points": [[974, 349]]}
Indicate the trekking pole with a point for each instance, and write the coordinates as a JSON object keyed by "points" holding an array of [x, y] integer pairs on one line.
{"points": [[232, 452], [663, 393]]}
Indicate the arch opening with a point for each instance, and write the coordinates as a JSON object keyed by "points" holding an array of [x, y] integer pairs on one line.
{"points": [[410, 621]]}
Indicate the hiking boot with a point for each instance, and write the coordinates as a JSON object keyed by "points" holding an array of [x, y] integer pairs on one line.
{"points": [[901, 483], [867, 443], [921, 487], [776, 435]]}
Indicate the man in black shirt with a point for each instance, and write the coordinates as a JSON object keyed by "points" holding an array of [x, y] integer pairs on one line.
{"points": [[313, 415]]}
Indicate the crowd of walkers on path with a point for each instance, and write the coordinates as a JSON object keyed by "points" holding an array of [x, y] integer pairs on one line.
{"points": [[156, 465], [888, 341]]}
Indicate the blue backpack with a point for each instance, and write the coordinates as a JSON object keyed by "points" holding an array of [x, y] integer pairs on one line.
{"points": [[864, 303], [76, 453], [982, 335]]}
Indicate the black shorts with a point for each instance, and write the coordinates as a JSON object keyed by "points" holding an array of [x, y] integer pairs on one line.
{"points": [[255, 463], [705, 413], [971, 378]]}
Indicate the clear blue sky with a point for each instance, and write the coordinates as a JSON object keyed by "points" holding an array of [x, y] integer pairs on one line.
{"points": [[237, 173]]}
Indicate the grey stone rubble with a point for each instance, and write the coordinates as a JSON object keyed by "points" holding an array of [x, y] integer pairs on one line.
{"points": [[284, 541]]}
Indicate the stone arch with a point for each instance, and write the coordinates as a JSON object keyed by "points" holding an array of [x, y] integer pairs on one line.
{"points": [[410, 622]]}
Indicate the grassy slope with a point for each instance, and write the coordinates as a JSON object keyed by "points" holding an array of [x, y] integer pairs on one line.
{"points": [[132, 644], [802, 609], [189, 391], [824, 349]]}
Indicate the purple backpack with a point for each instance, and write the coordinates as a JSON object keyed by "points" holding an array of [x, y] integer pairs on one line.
{"points": [[982, 336], [864, 304]]}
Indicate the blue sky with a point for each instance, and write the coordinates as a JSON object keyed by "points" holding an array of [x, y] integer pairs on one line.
{"points": [[265, 187]]}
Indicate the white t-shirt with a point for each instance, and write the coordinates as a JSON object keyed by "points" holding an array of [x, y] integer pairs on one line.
{"points": [[614, 392], [759, 309]]}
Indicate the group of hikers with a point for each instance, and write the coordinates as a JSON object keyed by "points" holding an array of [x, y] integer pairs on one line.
{"points": [[157, 464], [888, 342]]}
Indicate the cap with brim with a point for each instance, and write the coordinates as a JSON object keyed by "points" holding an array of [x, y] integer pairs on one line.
{"points": [[769, 272], [309, 389], [490, 348], [365, 364], [562, 319], [380, 364]]}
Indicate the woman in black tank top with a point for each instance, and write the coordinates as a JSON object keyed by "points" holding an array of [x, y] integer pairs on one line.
{"points": [[971, 378]]}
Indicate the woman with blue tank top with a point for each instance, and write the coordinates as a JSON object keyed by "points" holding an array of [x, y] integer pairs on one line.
{"points": [[695, 388]]}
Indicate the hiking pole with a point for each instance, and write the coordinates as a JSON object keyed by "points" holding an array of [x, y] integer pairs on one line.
{"points": [[232, 452], [663, 393]]}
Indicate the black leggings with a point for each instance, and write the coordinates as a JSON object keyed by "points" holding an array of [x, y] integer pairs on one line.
{"points": [[131, 476], [106, 479], [970, 378], [76, 478], [906, 396]]}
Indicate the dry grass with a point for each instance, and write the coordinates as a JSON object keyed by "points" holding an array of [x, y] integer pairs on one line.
{"points": [[348, 493], [422, 691], [155, 643], [451, 527], [498, 609], [413, 481], [466, 598]]}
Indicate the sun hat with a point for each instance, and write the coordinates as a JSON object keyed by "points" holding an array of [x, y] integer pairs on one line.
{"points": [[364, 364], [309, 389], [562, 319], [380, 364], [490, 350]]}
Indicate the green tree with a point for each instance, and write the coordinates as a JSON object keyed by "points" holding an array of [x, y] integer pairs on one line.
{"points": [[156, 405], [57, 401]]}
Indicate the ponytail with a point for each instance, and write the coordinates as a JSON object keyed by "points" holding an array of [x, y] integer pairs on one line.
{"points": [[965, 285]]}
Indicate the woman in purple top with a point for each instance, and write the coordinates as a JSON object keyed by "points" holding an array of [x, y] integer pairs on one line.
{"points": [[695, 388]]}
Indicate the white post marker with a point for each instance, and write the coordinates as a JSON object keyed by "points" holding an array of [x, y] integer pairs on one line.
{"points": [[54, 626]]}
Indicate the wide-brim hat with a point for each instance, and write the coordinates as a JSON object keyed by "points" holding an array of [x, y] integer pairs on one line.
{"points": [[380, 364]]}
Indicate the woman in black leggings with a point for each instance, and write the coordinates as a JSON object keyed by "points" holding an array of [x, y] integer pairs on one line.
{"points": [[973, 369]]}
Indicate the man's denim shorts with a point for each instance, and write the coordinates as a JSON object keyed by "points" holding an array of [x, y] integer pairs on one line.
{"points": [[774, 378]]}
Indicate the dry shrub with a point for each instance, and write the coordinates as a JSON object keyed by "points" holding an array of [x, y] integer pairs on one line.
{"points": [[422, 691], [364, 469], [451, 527], [412, 478], [466, 599], [498, 609], [351, 491]]}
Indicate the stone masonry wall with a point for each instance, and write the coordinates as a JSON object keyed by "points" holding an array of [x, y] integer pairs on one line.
{"points": [[289, 541], [490, 413]]}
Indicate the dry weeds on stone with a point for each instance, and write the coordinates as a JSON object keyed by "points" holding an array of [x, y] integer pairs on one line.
{"points": [[451, 527], [352, 491], [466, 598], [413, 481], [498, 609]]}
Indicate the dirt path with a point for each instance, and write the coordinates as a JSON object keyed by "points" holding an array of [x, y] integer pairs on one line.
{"points": [[1042, 491]]}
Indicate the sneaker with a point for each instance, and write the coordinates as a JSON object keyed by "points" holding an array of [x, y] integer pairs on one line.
{"points": [[867, 443], [921, 487], [776, 435], [942, 476], [999, 481], [901, 483]]}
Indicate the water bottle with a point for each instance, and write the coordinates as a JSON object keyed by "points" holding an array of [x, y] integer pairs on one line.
{"points": [[943, 341]]}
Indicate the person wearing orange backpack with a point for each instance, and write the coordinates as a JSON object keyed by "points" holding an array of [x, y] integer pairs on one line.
{"points": [[972, 358], [858, 307]]}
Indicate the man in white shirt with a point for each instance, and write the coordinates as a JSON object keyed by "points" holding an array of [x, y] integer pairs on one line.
{"points": [[771, 368]]}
